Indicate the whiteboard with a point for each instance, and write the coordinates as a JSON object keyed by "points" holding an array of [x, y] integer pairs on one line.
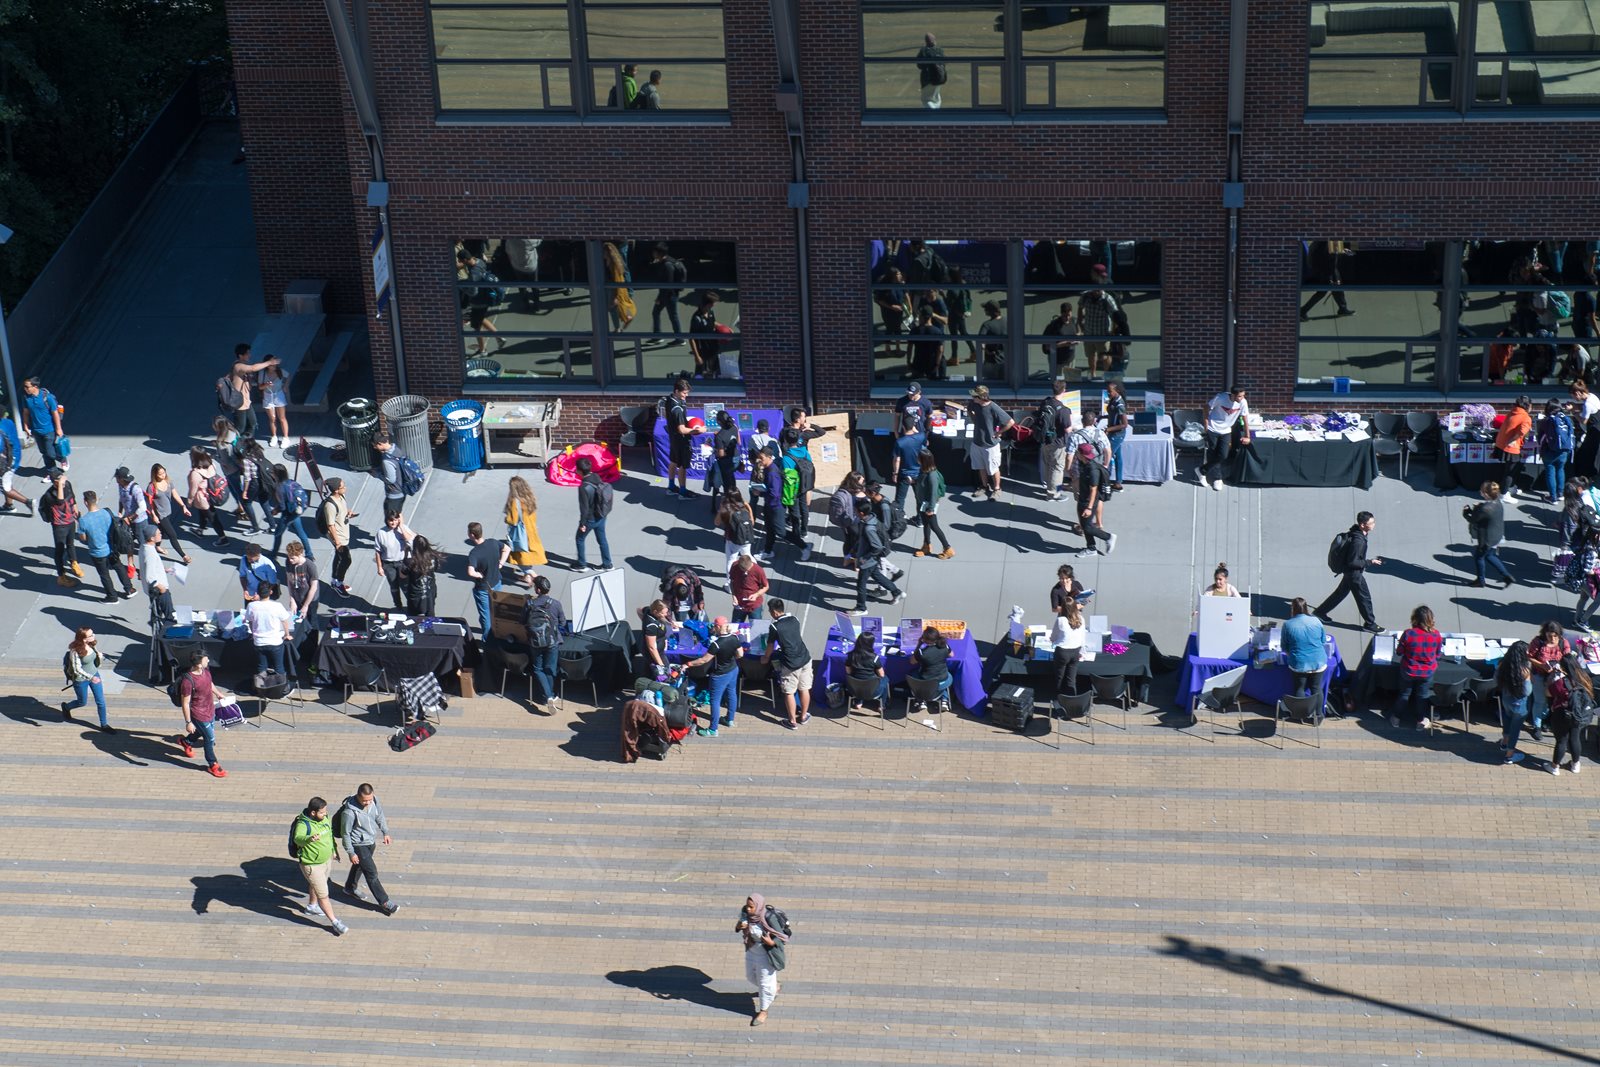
{"points": [[597, 600]]}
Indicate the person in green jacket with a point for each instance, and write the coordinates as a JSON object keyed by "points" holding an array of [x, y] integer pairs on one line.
{"points": [[930, 490], [312, 837]]}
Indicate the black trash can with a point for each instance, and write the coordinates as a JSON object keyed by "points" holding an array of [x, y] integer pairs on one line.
{"points": [[359, 420], [408, 425]]}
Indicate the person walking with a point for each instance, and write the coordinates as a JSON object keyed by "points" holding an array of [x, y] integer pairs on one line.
{"points": [[291, 503], [257, 482], [94, 529], [1349, 552], [1572, 709], [842, 514], [420, 571], [723, 652], [929, 491], [544, 621], [311, 835], [362, 827], [336, 516], [1487, 522], [1545, 653], [58, 506], [208, 492], [228, 446], [747, 583], [988, 421], [1229, 412], [522, 529], [271, 629], [82, 667], [1305, 651], [198, 694], [484, 561], [765, 950], [154, 574], [1557, 438], [1514, 680], [1509, 443], [871, 548], [931, 72], [794, 663], [41, 416], [10, 460], [595, 501], [908, 445], [738, 526], [300, 582], [1093, 481], [1416, 655], [162, 500], [392, 545], [255, 571], [1053, 423]]}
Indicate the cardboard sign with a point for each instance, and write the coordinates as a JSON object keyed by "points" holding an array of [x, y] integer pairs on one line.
{"points": [[830, 453], [505, 614]]}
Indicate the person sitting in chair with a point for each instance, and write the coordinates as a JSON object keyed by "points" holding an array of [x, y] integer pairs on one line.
{"points": [[862, 664], [931, 661]]}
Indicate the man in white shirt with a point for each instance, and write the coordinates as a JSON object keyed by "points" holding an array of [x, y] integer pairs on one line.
{"points": [[271, 626], [154, 573], [1227, 410]]}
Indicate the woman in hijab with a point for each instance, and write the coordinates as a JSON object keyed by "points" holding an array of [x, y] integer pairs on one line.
{"points": [[764, 954]]}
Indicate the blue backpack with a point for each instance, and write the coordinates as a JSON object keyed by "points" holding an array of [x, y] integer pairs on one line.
{"points": [[1559, 434], [410, 476]]}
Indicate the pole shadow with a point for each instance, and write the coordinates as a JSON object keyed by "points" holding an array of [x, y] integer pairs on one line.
{"points": [[1294, 978]]}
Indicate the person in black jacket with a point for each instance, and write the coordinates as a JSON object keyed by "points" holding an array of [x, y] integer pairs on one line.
{"points": [[794, 662], [1487, 521], [591, 514], [930, 660], [418, 574], [871, 548], [1354, 575]]}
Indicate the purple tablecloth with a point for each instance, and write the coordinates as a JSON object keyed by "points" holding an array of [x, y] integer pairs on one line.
{"points": [[1265, 684], [966, 668]]}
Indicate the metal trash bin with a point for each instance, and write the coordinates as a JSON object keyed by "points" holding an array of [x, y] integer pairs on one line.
{"points": [[359, 420], [463, 423], [408, 425]]}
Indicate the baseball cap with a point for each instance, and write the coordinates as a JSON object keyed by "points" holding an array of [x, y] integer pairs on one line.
{"points": [[1086, 451], [913, 388]]}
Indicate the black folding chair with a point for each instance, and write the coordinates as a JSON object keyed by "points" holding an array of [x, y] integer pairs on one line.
{"points": [[369, 677], [864, 690], [1113, 690], [1078, 704]]}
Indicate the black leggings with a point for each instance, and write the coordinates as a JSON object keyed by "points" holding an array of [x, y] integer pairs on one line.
{"points": [[209, 517], [1067, 671], [1568, 743], [169, 531], [932, 529]]}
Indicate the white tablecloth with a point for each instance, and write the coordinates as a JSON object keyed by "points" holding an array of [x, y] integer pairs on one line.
{"points": [[1148, 457]]}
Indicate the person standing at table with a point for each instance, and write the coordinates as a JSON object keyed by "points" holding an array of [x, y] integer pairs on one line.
{"points": [[154, 574], [988, 421], [1514, 678], [930, 661], [862, 663], [680, 436], [1487, 521], [484, 561], [544, 621], [1571, 709], [1545, 651], [748, 584], [271, 629], [392, 543], [908, 446], [336, 516], [724, 457], [1416, 655], [1067, 588], [1116, 429], [1218, 586], [723, 652], [1305, 652], [300, 581], [255, 570], [421, 577], [1510, 441], [1351, 556], [1557, 439], [1228, 410], [1068, 635], [794, 663], [655, 623]]}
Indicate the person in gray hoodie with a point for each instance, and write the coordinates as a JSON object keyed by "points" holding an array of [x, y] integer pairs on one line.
{"points": [[362, 826]]}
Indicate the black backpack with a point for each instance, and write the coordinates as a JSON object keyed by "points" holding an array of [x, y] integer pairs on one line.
{"points": [[294, 853], [1047, 420], [175, 691], [265, 486], [66, 666], [1339, 551], [741, 526], [676, 273], [897, 523], [605, 498], [541, 626]]}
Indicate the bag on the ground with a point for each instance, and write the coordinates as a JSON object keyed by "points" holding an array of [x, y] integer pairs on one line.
{"points": [[412, 736], [410, 476], [265, 680], [1338, 550], [540, 623]]}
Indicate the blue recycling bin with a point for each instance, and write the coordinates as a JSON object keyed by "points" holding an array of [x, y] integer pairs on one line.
{"points": [[463, 423]]}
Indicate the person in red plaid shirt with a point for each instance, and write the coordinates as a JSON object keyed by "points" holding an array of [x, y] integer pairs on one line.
{"points": [[1417, 655]]}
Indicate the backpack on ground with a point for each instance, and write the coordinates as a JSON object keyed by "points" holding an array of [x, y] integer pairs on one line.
{"points": [[294, 851], [412, 736], [540, 622], [410, 476], [217, 490], [1338, 551]]}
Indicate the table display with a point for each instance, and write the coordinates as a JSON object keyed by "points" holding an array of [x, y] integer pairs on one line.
{"points": [[700, 459], [612, 646], [1149, 458], [966, 666], [1266, 683], [509, 427], [347, 643], [1038, 672], [1332, 461], [223, 637], [1378, 671]]}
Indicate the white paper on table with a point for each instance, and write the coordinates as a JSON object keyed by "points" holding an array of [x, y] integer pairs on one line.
{"points": [[184, 613], [1476, 646], [1086, 656], [1357, 434], [1456, 647], [1094, 642], [1099, 624], [180, 573], [1383, 648]]}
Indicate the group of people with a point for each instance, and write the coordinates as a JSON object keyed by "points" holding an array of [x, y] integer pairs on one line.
{"points": [[314, 839]]}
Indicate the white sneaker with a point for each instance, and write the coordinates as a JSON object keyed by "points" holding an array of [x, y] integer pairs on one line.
{"points": [[1552, 768], [1425, 724], [1577, 765], [313, 908], [1111, 545], [1217, 485]]}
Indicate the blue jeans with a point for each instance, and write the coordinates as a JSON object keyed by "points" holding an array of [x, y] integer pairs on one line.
{"points": [[1555, 473], [724, 686], [206, 733], [296, 522], [598, 528], [1538, 703], [902, 489], [1512, 718], [1484, 558], [48, 455], [1413, 696], [82, 690], [480, 597], [270, 658], [1116, 455], [543, 663], [741, 615]]}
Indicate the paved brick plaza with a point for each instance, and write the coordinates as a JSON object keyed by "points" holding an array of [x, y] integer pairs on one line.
{"points": [[976, 897]]}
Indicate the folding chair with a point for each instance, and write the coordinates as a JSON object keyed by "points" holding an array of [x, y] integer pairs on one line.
{"points": [[864, 689], [1065, 707], [1217, 694], [1311, 708], [1113, 689]]}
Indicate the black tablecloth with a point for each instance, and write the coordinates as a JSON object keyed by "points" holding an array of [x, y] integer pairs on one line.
{"points": [[950, 453], [1278, 461], [1039, 674], [232, 662], [872, 445], [1371, 677], [611, 645], [431, 654], [1470, 476]]}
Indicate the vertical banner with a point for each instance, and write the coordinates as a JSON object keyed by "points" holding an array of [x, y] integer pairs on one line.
{"points": [[382, 276]]}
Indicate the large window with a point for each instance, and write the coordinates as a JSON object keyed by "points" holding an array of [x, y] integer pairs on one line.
{"points": [[1014, 314], [580, 57], [921, 56], [1443, 316], [1478, 55], [538, 311]]}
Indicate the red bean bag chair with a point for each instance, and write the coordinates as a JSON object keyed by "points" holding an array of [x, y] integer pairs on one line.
{"points": [[563, 470]]}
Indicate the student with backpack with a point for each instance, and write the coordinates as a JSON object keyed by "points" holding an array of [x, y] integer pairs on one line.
{"points": [[361, 825], [399, 473], [196, 696], [544, 620], [738, 526], [95, 528], [312, 845], [291, 503], [258, 482], [776, 483], [596, 498], [870, 549], [58, 506], [81, 665], [930, 490], [1347, 557], [208, 493], [673, 276], [766, 934], [799, 475], [41, 416], [1557, 440], [1052, 423], [1572, 707]]}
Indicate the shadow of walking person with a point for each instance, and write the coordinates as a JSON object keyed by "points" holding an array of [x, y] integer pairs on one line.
{"points": [[678, 982], [270, 886]]}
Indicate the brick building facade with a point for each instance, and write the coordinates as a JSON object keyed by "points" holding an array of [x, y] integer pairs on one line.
{"points": [[1427, 178]]}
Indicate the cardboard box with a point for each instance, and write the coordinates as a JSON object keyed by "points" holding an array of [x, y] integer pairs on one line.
{"points": [[505, 614]]}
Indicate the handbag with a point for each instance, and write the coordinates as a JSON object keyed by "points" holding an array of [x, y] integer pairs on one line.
{"points": [[517, 534], [64, 446]]}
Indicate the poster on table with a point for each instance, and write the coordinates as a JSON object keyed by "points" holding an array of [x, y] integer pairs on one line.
{"points": [[700, 459]]}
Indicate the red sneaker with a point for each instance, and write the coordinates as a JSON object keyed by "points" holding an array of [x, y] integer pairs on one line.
{"points": [[188, 749], [218, 772]]}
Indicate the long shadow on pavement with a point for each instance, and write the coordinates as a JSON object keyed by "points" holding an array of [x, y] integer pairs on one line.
{"points": [[1254, 967], [678, 982], [270, 886]]}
